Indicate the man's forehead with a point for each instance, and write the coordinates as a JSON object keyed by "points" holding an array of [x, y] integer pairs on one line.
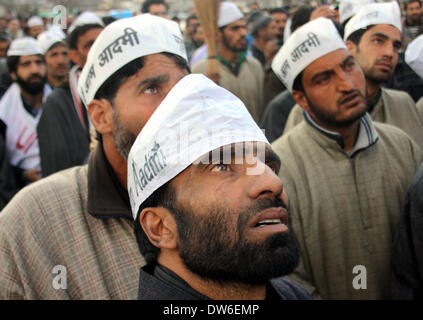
{"points": [[238, 23], [35, 57], [325, 62], [89, 34], [59, 46], [386, 29]]}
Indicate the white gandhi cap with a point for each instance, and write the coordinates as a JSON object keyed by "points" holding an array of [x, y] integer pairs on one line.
{"points": [[87, 17], [228, 13], [414, 55], [372, 14], [307, 44], [48, 38], [347, 8], [26, 46], [124, 41], [196, 117], [35, 21]]}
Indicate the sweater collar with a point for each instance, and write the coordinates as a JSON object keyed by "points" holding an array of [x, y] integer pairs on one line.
{"points": [[367, 135], [106, 196], [234, 68]]}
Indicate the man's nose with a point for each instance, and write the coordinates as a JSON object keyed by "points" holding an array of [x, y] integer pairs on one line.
{"points": [[265, 185], [344, 82]]}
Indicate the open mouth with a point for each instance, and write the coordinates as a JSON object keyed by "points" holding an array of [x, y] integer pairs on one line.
{"points": [[271, 220], [267, 222]]}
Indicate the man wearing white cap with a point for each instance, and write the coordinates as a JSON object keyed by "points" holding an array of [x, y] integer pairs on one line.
{"points": [[373, 37], [209, 209], [348, 8], [240, 74], [21, 107], [55, 55], [63, 130], [344, 174], [83, 245], [414, 58], [35, 26]]}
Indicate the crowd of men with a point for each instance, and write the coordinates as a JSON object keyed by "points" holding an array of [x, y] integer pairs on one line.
{"points": [[315, 119]]}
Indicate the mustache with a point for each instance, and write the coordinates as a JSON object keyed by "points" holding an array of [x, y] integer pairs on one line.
{"points": [[349, 96], [35, 76], [259, 206]]}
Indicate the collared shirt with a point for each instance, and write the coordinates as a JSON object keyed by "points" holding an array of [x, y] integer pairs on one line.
{"points": [[106, 196], [237, 66], [367, 134], [28, 107]]}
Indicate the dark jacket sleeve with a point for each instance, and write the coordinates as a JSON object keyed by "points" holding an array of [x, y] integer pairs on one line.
{"points": [[407, 255], [62, 140], [8, 182], [276, 114]]}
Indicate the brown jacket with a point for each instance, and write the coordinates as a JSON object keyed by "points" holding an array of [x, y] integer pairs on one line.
{"points": [[394, 107], [344, 209], [78, 219]]}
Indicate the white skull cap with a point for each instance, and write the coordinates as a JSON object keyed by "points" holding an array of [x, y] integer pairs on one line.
{"points": [[372, 14], [196, 117], [25, 46], [124, 41], [48, 38], [414, 55], [228, 13], [347, 8], [35, 21], [87, 17], [306, 44]]}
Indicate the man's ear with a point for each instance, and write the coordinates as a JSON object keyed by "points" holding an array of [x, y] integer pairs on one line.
{"points": [[160, 227], [73, 55], [301, 100], [13, 75], [352, 47], [101, 115]]}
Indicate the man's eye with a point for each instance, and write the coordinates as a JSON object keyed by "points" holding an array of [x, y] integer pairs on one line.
{"points": [[322, 80], [151, 90], [220, 167]]}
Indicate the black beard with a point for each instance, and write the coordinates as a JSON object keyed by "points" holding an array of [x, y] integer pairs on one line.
{"points": [[234, 49], [328, 119], [212, 250], [33, 88], [123, 138]]}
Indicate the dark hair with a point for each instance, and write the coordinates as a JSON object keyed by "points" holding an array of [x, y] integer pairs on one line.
{"points": [[301, 17], [411, 1], [57, 44], [278, 10], [110, 87], [13, 61], [356, 36], [108, 20], [191, 17], [258, 20], [146, 5], [162, 197], [79, 31], [298, 83]]}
